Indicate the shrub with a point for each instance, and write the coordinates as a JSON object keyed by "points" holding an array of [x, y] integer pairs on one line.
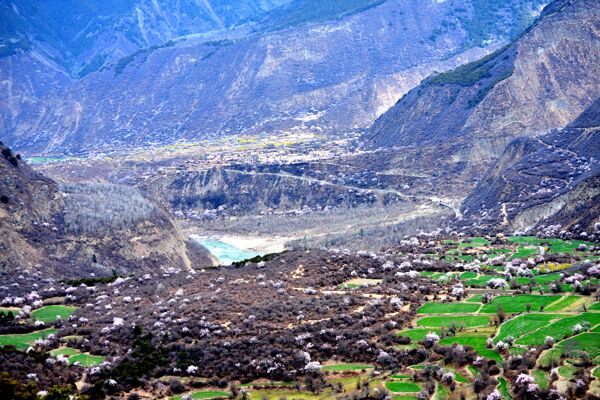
{"points": [[104, 208]]}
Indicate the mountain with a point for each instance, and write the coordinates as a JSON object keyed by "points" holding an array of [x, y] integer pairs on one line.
{"points": [[81, 36], [553, 179], [526, 114], [297, 66], [540, 82], [70, 230]]}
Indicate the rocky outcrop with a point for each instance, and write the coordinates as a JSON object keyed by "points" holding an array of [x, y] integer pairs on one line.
{"points": [[82, 229]]}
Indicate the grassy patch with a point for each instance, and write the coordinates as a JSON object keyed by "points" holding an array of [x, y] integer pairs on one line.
{"points": [[567, 371], [513, 304], [541, 378], [6, 310], [547, 278], [205, 394], [400, 376], [588, 342], [50, 313], [476, 298], [441, 392], [503, 388], [402, 387], [346, 367], [86, 360], [477, 342], [468, 321], [468, 275], [24, 340], [563, 303], [65, 351], [448, 308], [417, 333], [473, 242], [523, 252], [481, 280], [359, 282], [474, 371], [594, 307]]}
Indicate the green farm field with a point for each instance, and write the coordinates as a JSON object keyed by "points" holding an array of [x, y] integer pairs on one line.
{"points": [[50, 313], [512, 304], [476, 341], [468, 321], [559, 329], [448, 308], [523, 324], [22, 341], [347, 367]]}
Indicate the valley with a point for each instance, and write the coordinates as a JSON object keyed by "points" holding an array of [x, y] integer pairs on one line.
{"points": [[300, 199], [432, 317]]}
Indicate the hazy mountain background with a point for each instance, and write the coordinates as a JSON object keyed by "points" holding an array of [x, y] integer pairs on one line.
{"points": [[83, 75]]}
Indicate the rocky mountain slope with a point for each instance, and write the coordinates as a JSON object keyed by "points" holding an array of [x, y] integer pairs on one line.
{"points": [[542, 81], [79, 229], [553, 179], [526, 113], [305, 65]]}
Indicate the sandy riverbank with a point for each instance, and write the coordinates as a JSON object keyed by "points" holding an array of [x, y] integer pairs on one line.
{"points": [[258, 244]]}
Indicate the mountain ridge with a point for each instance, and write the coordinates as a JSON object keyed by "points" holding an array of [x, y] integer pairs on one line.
{"points": [[283, 81]]}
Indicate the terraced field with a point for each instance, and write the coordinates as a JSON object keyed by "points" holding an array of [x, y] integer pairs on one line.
{"points": [[476, 298], [74, 355], [417, 334], [523, 324], [448, 308], [50, 313], [564, 303], [86, 360], [22, 341], [513, 304], [402, 387], [467, 321], [347, 367], [588, 342], [559, 329], [476, 341]]}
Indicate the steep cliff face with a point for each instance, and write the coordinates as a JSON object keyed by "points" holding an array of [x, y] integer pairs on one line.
{"points": [[307, 65], [552, 179], [82, 229], [542, 81]]}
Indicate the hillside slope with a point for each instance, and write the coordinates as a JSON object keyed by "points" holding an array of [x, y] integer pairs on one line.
{"points": [[78, 229], [542, 81], [552, 179], [307, 66]]}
